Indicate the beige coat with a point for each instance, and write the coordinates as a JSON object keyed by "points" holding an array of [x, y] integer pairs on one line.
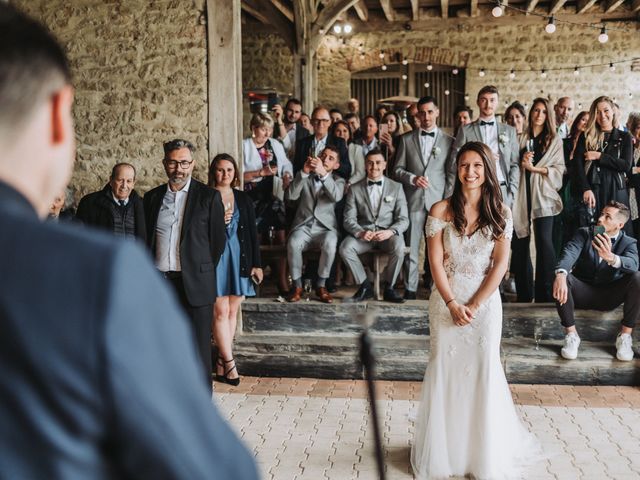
{"points": [[545, 200]]}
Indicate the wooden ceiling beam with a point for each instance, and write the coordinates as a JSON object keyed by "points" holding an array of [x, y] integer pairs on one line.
{"points": [[415, 10], [635, 6], [444, 8], [556, 5], [473, 8], [612, 5], [327, 16], [531, 5], [254, 13], [584, 5], [275, 18], [388, 10], [362, 10], [286, 11]]}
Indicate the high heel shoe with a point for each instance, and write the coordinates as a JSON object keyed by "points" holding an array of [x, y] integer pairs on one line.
{"points": [[224, 378]]}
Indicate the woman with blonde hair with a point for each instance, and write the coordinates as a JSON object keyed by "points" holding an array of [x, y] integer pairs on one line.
{"points": [[602, 159], [537, 201]]}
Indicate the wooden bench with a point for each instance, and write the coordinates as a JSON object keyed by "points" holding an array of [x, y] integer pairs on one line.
{"points": [[272, 252]]}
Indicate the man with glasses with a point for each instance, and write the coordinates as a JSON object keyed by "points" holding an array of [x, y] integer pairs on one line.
{"points": [[185, 231]]}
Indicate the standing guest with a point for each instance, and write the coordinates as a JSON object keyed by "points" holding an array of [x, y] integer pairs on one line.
{"points": [[516, 117], [313, 145], [369, 140], [633, 127], [317, 191], [267, 172], [335, 115], [412, 116], [602, 158], [61, 208], [117, 207], [462, 116], [305, 121], [353, 106], [375, 217], [537, 201], [353, 121], [184, 222], [98, 373], [390, 138], [239, 263], [422, 168], [340, 129], [599, 271], [379, 113], [564, 113], [288, 125], [500, 138]]}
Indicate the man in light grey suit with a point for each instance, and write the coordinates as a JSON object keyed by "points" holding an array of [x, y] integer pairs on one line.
{"points": [[315, 225], [421, 166], [375, 217], [500, 138]]}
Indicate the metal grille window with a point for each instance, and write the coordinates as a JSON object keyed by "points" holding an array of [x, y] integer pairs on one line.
{"points": [[441, 82], [368, 88]]}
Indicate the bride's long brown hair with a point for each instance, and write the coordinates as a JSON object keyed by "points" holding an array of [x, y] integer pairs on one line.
{"points": [[491, 220]]}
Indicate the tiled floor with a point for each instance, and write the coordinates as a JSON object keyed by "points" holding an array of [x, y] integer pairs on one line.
{"points": [[320, 429]]}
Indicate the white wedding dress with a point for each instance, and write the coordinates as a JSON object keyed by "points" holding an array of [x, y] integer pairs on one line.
{"points": [[467, 423]]}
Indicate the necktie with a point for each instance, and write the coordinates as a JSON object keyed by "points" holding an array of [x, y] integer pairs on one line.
{"points": [[483, 123], [371, 183], [431, 134], [122, 204]]}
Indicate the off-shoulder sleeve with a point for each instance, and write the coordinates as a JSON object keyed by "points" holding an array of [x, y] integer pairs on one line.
{"points": [[508, 227], [433, 226]]}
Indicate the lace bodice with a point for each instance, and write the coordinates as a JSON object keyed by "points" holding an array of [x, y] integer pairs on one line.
{"points": [[467, 256]]}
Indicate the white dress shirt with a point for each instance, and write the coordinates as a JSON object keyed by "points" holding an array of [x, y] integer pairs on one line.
{"points": [[367, 147], [117, 200], [563, 130], [490, 138], [289, 142], [318, 145], [169, 228], [375, 194], [427, 142]]}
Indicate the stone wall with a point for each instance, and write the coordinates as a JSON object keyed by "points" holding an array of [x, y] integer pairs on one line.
{"points": [[140, 75]]}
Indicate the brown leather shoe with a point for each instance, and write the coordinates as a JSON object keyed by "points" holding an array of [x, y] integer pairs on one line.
{"points": [[295, 295], [324, 295]]}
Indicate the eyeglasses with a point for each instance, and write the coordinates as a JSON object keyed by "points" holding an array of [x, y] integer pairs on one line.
{"points": [[174, 163], [321, 120]]}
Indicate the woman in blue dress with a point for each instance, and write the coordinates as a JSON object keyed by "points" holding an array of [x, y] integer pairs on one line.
{"points": [[239, 264]]}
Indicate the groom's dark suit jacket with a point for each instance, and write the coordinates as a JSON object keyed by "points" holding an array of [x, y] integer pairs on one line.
{"points": [[579, 255], [202, 239], [98, 372]]}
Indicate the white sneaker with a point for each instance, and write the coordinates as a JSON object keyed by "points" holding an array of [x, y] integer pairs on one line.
{"points": [[571, 344], [624, 352]]}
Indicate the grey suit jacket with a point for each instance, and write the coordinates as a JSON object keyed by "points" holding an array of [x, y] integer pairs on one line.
{"points": [[410, 162], [321, 206], [392, 214], [509, 155]]}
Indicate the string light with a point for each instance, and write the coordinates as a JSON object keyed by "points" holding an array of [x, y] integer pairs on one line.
{"points": [[348, 28], [455, 71], [576, 71], [337, 29], [497, 10], [384, 67], [512, 74], [630, 95], [612, 67], [381, 54], [362, 56], [429, 66], [447, 92], [551, 26], [405, 61], [404, 76], [543, 73], [603, 37], [466, 97], [481, 73], [427, 85]]}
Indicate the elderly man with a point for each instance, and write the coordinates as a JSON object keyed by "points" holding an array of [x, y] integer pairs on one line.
{"points": [[98, 372], [564, 115], [185, 231], [117, 207]]}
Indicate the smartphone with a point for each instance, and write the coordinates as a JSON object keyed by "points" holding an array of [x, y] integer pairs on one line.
{"points": [[598, 230], [384, 128]]}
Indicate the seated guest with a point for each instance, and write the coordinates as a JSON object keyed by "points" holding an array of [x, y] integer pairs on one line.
{"points": [[335, 115], [369, 140], [375, 217], [61, 209], [239, 263], [599, 272], [340, 129], [117, 207], [462, 116], [267, 172], [317, 191]]}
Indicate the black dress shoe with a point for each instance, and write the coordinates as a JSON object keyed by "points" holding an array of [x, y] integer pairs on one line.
{"points": [[363, 293], [409, 295], [390, 295]]}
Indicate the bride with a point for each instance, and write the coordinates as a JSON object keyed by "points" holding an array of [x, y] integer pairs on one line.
{"points": [[467, 423]]}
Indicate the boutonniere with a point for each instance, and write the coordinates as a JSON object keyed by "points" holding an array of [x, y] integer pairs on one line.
{"points": [[503, 138], [388, 199], [436, 151]]}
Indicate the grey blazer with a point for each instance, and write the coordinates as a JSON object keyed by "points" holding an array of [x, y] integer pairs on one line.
{"points": [[509, 155], [321, 206], [392, 214], [410, 162]]}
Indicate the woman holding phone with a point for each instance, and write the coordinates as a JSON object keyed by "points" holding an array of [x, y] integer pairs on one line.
{"points": [[239, 265]]}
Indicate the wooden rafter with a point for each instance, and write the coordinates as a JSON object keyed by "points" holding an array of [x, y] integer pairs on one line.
{"points": [[363, 12], [612, 5], [444, 8], [584, 5], [330, 13], [473, 8], [556, 5], [254, 12], [275, 18], [531, 5], [635, 6], [286, 11], [388, 10], [415, 9]]}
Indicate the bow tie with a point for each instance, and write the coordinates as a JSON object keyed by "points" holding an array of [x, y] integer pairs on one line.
{"points": [[316, 178], [483, 123], [431, 134], [372, 182]]}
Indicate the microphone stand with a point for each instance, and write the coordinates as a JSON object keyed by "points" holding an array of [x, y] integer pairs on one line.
{"points": [[366, 357]]}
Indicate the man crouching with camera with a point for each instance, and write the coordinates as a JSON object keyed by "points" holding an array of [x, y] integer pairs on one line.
{"points": [[598, 270]]}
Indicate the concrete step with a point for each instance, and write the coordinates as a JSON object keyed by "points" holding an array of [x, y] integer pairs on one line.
{"points": [[404, 357]]}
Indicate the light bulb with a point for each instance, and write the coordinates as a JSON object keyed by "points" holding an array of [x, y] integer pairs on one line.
{"points": [[447, 92], [381, 54], [630, 95], [362, 56], [579, 106], [429, 67], [543, 73], [603, 37], [455, 71], [497, 11], [512, 74], [384, 67], [551, 26], [576, 71], [348, 28], [426, 85], [321, 31], [337, 29], [405, 61], [481, 72], [612, 67], [404, 76], [466, 97]]}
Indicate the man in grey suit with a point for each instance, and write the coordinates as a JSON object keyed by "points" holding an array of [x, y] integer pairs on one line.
{"points": [[98, 370], [375, 217], [499, 137], [422, 168], [315, 225]]}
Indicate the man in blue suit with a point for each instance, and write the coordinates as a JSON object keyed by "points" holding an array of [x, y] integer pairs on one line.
{"points": [[98, 373]]}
